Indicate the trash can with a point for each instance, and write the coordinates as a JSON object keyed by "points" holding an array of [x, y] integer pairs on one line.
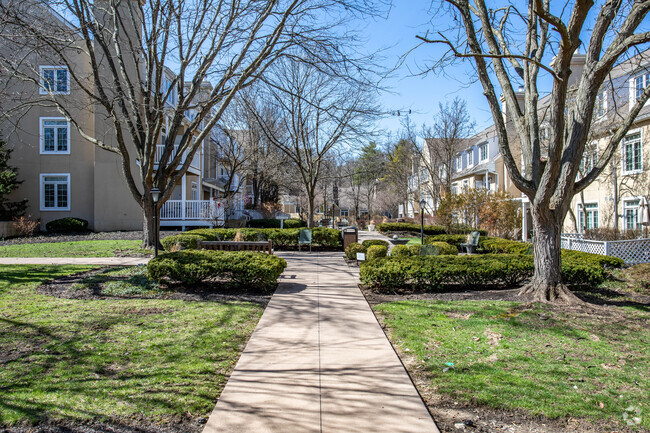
{"points": [[350, 236]]}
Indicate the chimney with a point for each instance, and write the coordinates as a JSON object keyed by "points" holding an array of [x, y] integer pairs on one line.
{"points": [[520, 96], [577, 65]]}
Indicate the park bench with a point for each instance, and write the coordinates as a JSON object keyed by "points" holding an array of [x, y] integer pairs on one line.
{"points": [[261, 246], [472, 242]]}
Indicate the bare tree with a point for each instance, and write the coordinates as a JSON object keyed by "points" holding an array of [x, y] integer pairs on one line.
{"points": [[515, 46], [154, 61], [318, 111], [446, 137]]}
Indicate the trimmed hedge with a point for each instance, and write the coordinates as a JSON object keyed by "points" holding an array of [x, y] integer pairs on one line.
{"points": [[400, 251], [370, 242], [454, 240], [354, 248], [408, 227], [272, 223], [376, 252], [244, 269], [445, 249], [414, 249], [67, 225], [281, 238], [504, 270]]}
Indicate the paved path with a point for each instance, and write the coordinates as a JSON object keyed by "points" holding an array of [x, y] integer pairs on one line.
{"points": [[100, 261], [318, 361]]}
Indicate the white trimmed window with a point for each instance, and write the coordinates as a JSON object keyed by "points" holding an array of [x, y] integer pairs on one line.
{"points": [[637, 86], [632, 157], [465, 185], [589, 216], [458, 162], [54, 80], [55, 135], [345, 212], [589, 158], [483, 152], [454, 188], [470, 157], [194, 191], [55, 191], [631, 212]]}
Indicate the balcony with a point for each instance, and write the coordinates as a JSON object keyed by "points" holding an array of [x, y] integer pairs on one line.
{"points": [[190, 212], [196, 161]]}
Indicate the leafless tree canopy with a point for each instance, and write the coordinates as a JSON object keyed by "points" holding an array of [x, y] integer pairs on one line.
{"points": [[515, 44], [166, 70]]}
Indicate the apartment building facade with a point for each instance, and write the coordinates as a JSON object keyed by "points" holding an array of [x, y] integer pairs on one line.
{"points": [[64, 174], [612, 200]]}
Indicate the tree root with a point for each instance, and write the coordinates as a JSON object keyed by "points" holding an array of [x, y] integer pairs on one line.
{"points": [[550, 293]]}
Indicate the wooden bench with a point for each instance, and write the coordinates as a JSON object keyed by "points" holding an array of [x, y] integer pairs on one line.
{"points": [[262, 247]]}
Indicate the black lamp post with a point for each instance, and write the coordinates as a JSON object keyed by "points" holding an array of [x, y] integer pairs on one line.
{"points": [[422, 203], [155, 196]]}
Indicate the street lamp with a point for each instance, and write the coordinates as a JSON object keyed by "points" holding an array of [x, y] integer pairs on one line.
{"points": [[422, 203], [155, 196]]}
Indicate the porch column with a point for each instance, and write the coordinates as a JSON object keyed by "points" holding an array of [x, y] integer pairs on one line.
{"points": [[524, 221], [183, 197]]}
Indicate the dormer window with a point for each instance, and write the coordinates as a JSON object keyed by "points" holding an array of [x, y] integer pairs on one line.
{"points": [[483, 152], [458, 162], [470, 157], [54, 80], [639, 84]]}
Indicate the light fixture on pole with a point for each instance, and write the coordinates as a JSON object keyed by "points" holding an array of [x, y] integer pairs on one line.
{"points": [[422, 203], [155, 196]]}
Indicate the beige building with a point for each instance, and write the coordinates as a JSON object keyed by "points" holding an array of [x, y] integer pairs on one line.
{"points": [[612, 201], [64, 174]]}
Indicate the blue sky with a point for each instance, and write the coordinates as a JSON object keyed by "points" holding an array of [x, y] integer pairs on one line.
{"points": [[408, 90]]}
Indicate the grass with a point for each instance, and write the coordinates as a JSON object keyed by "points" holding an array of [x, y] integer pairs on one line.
{"points": [[506, 356], [100, 248], [413, 241], [103, 360], [122, 281]]}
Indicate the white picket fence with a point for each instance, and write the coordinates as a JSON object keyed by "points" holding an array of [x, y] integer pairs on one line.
{"points": [[631, 251]]}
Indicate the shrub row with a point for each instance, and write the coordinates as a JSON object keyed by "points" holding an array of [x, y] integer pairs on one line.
{"points": [[370, 242], [67, 225], [281, 238], [244, 269], [272, 223], [408, 227], [354, 248], [376, 251], [433, 272]]}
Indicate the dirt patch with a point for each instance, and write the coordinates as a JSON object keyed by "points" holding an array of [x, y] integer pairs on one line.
{"points": [[68, 287]]}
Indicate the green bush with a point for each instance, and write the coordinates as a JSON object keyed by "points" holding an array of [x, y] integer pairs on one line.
{"points": [[282, 239], [445, 249], [67, 225], [377, 251], [484, 270], [354, 248], [612, 262], [370, 242], [244, 269], [408, 227], [400, 251], [504, 246], [272, 223], [414, 250], [454, 240], [181, 242]]}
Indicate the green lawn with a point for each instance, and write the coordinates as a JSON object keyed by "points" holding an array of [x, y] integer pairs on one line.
{"points": [[147, 359], [545, 362], [74, 249]]}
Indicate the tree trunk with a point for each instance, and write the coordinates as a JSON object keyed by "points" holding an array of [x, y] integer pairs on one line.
{"points": [[310, 216], [148, 227], [546, 285]]}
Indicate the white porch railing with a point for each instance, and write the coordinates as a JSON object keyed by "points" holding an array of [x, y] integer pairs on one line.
{"points": [[197, 210], [160, 148], [631, 251]]}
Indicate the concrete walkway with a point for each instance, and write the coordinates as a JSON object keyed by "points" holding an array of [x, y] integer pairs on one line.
{"points": [[318, 361], [99, 261]]}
